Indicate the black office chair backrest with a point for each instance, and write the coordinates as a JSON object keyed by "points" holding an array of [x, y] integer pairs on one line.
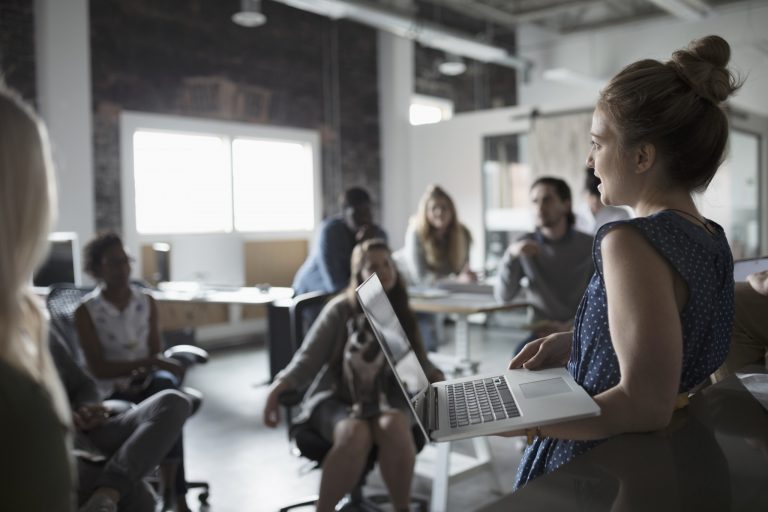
{"points": [[304, 311], [62, 302]]}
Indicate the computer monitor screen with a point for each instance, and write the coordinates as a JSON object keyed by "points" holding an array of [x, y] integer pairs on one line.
{"points": [[62, 265]]}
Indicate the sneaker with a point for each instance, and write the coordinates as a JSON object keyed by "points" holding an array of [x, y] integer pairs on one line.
{"points": [[99, 503]]}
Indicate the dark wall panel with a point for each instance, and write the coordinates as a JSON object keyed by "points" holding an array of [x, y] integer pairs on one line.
{"points": [[17, 47]]}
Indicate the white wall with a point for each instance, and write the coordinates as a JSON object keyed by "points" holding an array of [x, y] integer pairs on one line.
{"points": [[602, 53], [64, 94], [450, 154]]}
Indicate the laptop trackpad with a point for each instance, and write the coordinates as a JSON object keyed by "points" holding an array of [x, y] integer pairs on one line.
{"points": [[544, 388]]}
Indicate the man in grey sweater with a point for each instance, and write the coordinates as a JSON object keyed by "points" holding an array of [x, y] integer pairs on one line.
{"points": [[556, 259]]}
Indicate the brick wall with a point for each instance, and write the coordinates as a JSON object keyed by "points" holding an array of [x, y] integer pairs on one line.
{"points": [[17, 47], [298, 70]]}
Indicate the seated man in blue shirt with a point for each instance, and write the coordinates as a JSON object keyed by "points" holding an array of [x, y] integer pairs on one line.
{"points": [[327, 267]]}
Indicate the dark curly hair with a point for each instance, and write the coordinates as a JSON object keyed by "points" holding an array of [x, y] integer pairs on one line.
{"points": [[95, 248]]}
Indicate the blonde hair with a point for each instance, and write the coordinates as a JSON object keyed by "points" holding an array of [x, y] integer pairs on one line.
{"points": [[458, 236], [27, 203]]}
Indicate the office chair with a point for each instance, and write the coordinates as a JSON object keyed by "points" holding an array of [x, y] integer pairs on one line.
{"points": [[308, 442], [62, 302]]}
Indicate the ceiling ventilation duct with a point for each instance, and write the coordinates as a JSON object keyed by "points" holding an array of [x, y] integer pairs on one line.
{"points": [[424, 33]]}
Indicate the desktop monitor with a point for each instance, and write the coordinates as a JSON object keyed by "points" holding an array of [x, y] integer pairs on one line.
{"points": [[62, 264]]}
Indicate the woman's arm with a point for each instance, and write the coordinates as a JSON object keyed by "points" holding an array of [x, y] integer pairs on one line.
{"points": [[317, 350], [318, 346], [415, 260], [94, 354], [645, 296]]}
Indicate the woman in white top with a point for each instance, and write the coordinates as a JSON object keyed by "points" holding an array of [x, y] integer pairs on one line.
{"points": [[436, 249], [436, 243], [119, 333], [118, 327]]}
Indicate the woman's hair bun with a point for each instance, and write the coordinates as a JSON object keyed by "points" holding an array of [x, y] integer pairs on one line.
{"points": [[703, 66]]}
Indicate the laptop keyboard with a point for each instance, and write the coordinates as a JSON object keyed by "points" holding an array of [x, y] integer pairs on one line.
{"points": [[480, 401]]}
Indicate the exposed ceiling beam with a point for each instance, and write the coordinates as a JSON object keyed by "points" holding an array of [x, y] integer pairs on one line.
{"points": [[505, 17], [691, 10]]}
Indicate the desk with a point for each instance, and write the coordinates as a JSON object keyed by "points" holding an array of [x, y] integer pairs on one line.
{"points": [[190, 306], [714, 456], [437, 461], [462, 305]]}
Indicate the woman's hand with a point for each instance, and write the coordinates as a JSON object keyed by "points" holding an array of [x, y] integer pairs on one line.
{"points": [[90, 416], [272, 406], [550, 351], [436, 375], [466, 275], [548, 327]]}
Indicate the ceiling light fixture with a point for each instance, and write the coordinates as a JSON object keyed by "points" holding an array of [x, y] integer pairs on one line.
{"points": [[453, 65], [250, 14]]}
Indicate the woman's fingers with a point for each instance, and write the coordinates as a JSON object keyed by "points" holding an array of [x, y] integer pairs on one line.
{"points": [[526, 353]]}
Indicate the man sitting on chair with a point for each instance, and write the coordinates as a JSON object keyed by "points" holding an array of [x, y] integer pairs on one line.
{"points": [[116, 450]]}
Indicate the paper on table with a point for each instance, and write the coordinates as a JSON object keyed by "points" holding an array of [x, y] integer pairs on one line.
{"points": [[757, 385]]}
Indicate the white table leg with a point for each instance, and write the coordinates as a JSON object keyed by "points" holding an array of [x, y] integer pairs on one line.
{"points": [[462, 340], [484, 456], [439, 501]]}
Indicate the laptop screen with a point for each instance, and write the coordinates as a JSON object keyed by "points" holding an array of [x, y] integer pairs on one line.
{"points": [[393, 340]]}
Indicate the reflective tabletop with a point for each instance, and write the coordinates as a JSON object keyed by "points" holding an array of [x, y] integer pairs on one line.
{"points": [[713, 456]]}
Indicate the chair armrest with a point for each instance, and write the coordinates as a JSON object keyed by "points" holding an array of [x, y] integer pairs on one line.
{"points": [[116, 407], [187, 354]]}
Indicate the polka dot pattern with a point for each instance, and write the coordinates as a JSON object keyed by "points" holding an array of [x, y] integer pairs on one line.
{"points": [[705, 263]]}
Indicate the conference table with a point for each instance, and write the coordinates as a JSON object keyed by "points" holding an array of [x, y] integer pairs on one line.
{"points": [[461, 301], [437, 461], [183, 295], [713, 456]]}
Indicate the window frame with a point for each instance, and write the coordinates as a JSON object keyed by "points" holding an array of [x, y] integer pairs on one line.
{"points": [[131, 121]]}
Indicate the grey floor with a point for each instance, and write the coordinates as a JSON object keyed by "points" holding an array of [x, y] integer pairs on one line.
{"points": [[250, 467]]}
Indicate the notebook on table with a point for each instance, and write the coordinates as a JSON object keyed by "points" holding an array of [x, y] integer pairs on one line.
{"points": [[477, 405]]}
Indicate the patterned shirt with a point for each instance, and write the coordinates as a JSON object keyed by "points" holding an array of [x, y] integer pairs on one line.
{"points": [[705, 264], [123, 335]]}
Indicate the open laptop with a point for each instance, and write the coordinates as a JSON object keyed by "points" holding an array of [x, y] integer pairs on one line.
{"points": [[477, 405]]}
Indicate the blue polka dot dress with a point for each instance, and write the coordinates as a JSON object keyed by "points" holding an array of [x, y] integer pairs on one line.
{"points": [[705, 263]]}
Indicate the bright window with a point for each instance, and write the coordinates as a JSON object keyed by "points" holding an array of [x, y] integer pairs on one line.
{"points": [[197, 176], [429, 109], [272, 185], [182, 183]]}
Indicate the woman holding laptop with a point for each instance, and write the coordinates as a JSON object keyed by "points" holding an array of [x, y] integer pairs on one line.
{"points": [[656, 318]]}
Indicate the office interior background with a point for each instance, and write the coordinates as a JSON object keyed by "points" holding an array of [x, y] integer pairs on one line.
{"points": [[173, 124]]}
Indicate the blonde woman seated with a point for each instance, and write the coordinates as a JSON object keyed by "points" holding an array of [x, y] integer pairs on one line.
{"points": [[353, 400], [436, 248], [436, 243]]}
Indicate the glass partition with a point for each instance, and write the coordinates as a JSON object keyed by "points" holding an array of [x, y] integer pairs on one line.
{"points": [[506, 181], [733, 198]]}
